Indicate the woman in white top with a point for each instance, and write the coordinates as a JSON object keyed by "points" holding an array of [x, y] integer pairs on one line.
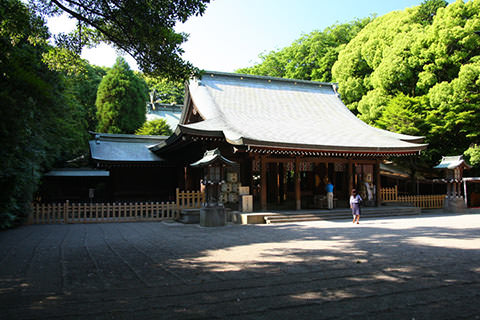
{"points": [[355, 201]]}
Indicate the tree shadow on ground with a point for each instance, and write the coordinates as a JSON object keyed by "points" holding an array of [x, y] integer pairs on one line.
{"points": [[325, 270]]}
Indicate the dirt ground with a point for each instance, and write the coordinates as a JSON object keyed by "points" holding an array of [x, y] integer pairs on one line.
{"points": [[423, 267]]}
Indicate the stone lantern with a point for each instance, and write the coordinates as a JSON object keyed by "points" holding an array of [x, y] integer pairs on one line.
{"points": [[453, 167], [214, 169]]}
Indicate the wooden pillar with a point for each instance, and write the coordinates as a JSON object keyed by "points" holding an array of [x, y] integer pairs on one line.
{"points": [[334, 178], [326, 171], [350, 176], [298, 191], [379, 183], [263, 184]]}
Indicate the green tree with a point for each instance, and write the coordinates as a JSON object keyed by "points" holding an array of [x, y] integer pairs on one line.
{"points": [[163, 90], [404, 115], [39, 126], [83, 87], [311, 57], [121, 100], [158, 127], [401, 58], [473, 154], [142, 28]]}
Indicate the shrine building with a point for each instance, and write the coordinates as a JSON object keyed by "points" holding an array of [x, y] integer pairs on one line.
{"points": [[289, 137]]}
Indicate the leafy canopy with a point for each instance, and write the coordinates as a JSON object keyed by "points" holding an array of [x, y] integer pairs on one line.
{"points": [[164, 91], [121, 100], [411, 74], [142, 28], [39, 124], [311, 57]]}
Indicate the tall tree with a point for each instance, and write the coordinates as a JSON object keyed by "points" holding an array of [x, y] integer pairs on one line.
{"points": [[121, 100], [38, 124], [142, 28], [429, 65], [83, 88], [311, 57]]}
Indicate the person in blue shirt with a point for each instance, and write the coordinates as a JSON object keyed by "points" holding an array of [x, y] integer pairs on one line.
{"points": [[329, 189]]}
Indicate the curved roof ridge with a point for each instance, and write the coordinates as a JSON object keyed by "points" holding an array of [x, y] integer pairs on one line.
{"points": [[258, 77]]}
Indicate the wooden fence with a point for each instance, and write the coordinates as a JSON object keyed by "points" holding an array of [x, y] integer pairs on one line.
{"points": [[389, 194], [67, 212], [189, 199], [435, 201]]}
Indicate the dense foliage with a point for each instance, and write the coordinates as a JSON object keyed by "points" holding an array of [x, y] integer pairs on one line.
{"points": [[415, 71], [48, 93], [142, 28], [164, 91], [412, 75], [158, 127], [121, 100], [38, 123], [311, 57], [83, 86]]}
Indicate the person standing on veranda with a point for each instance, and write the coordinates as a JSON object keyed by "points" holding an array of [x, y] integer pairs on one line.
{"points": [[355, 201], [329, 189]]}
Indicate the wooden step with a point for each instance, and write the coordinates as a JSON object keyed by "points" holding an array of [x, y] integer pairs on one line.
{"points": [[341, 214]]}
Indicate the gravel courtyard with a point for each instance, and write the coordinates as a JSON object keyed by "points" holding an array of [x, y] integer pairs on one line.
{"points": [[422, 267]]}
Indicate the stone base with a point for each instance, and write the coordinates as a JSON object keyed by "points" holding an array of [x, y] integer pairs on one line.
{"points": [[212, 217], [189, 216], [456, 205]]}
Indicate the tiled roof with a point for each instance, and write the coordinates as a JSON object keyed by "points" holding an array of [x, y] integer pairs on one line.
{"points": [[452, 162], [124, 147], [274, 112]]}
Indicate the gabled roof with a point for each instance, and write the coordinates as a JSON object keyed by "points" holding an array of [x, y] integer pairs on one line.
{"points": [[213, 157], [262, 113], [257, 111], [452, 162], [124, 147]]}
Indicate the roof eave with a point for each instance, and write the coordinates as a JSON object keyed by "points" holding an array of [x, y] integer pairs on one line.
{"points": [[345, 149]]}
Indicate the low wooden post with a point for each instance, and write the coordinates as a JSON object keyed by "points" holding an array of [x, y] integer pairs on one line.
{"points": [[30, 214], [65, 212]]}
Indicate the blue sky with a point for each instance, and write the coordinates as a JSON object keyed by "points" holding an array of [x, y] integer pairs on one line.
{"points": [[232, 33]]}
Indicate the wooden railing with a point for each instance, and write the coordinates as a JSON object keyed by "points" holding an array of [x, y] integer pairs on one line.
{"points": [[114, 212], [102, 212], [189, 199], [434, 201], [389, 194]]}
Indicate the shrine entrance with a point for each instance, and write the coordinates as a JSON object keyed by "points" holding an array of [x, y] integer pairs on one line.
{"points": [[300, 183]]}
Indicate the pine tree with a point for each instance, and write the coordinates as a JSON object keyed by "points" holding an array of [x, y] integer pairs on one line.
{"points": [[121, 100]]}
